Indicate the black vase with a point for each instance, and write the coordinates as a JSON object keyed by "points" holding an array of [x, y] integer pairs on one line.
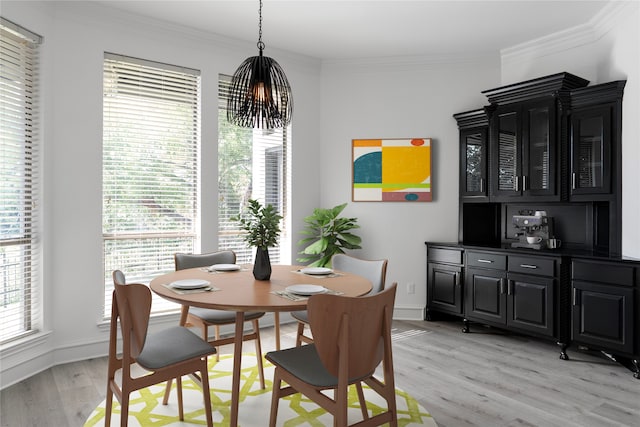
{"points": [[262, 265]]}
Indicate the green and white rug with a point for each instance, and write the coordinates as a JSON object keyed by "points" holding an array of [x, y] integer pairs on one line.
{"points": [[146, 408]]}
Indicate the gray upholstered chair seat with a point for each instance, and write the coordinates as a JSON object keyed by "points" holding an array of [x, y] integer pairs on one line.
{"points": [[222, 317], [300, 316], [304, 363], [170, 346]]}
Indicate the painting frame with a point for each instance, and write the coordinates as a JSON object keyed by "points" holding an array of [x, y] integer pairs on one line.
{"points": [[391, 170]]}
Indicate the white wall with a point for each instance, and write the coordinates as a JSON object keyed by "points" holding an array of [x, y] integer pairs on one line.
{"points": [[605, 49], [400, 99]]}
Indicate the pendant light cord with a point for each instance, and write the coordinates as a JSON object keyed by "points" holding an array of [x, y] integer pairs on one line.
{"points": [[260, 44]]}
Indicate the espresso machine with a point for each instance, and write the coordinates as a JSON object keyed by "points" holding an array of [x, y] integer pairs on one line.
{"points": [[534, 230]]}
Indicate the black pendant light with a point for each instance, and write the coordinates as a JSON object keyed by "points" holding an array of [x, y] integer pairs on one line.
{"points": [[260, 93]]}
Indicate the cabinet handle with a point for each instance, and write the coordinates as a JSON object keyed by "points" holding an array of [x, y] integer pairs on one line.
{"points": [[509, 287], [485, 261], [517, 183], [575, 297], [573, 181], [456, 282], [502, 286], [482, 185], [531, 266], [524, 183]]}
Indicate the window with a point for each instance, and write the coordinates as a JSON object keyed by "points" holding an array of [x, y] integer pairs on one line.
{"points": [[19, 182], [251, 165], [151, 135]]}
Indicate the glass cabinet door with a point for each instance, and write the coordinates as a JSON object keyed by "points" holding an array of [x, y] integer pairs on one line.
{"points": [[508, 154], [538, 150], [590, 151], [474, 161]]}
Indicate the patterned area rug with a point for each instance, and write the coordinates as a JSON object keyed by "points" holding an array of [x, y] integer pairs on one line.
{"points": [[146, 407]]}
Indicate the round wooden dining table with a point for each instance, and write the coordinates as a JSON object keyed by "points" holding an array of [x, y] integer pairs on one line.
{"points": [[238, 291]]}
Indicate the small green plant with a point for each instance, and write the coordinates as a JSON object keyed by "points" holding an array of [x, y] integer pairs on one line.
{"points": [[328, 235], [261, 224]]}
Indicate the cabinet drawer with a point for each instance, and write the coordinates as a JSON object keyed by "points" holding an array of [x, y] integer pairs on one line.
{"points": [[603, 272], [450, 256], [486, 260], [531, 265]]}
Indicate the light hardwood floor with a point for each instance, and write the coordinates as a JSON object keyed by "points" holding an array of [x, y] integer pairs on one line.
{"points": [[484, 378]]}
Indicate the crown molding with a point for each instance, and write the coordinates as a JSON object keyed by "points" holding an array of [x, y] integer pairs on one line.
{"points": [[597, 27]]}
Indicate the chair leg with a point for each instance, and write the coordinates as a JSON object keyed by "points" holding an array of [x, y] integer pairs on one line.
{"points": [[217, 330], [256, 330], [204, 378], [363, 403], [299, 334], [108, 405], [340, 416], [180, 406], [167, 392], [275, 399], [124, 410]]}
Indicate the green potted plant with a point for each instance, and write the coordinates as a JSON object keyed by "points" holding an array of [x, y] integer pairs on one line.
{"points": [[262, 227], [329, 234]]}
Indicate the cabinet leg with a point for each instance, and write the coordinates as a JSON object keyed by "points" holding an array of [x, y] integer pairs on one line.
{"points": [[465, 327], [427, 315], [563, 351], [636, 365]]}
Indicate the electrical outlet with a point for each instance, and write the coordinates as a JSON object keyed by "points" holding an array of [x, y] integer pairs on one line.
{"points": [[411, 288]]}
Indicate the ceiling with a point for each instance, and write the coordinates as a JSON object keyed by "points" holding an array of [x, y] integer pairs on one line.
{"points": [[342, 29]]}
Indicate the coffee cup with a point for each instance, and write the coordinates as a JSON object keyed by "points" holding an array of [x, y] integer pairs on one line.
{"points": [[533, 239]]}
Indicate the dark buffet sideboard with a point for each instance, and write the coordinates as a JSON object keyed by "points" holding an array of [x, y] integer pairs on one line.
{"points": [[550, 145]]}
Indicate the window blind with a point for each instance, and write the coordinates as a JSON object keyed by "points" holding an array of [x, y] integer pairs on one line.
{"points": [[251, 165], [151, 139], [20, 297]]}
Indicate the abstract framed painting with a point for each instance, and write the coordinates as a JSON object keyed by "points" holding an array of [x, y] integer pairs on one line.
{"points": [[391, 170]]}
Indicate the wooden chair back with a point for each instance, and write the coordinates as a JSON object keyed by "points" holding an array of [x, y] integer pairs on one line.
{"points": [[352, 333], [374, 270], [184, 261], [133, 307]]}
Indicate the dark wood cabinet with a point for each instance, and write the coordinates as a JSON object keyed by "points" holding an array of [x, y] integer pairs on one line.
{"points": [[473, 150], [474, 154], [445, 285], [531, 303], [515, 291], [591, 151], [524, 150], [603, 295], [595, 145], [551, 144], [486, 300], [602, 316]]}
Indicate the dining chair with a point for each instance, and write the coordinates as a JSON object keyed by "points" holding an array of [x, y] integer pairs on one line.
{"points": [[373, 270], [168, 354], [352, 337], [204, 317]]}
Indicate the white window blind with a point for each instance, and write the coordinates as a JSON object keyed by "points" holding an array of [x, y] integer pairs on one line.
{"points": [[251, 165], [151, 137], [20, 300]]}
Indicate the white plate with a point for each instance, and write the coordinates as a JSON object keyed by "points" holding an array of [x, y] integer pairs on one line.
{"points": [[224, 267], [189, 284], [305, 289], [316, 270]]}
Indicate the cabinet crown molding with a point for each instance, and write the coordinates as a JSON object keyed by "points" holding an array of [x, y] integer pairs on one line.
{"points": [[538, 87]]}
